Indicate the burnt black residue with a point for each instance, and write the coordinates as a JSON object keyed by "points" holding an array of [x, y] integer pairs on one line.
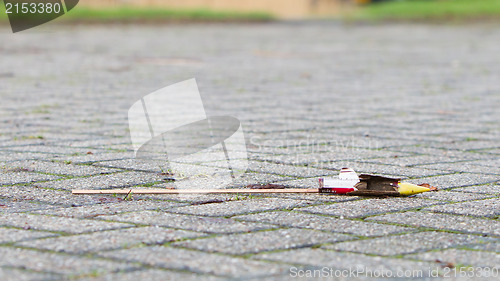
{"points": [[267, 186], [213, 201]]}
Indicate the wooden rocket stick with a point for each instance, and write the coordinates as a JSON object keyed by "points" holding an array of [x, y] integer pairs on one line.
{"points": [[194, 191]]}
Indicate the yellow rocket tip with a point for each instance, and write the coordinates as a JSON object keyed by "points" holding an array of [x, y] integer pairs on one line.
{"points": [[405, 188]]}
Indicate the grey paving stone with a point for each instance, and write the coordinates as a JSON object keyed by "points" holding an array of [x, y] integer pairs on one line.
{"points": [[8, 235], [440, 153], [241, 207], [50, 223], [454, 196], [238, 244], [478, 135], [196, 175], [443, 221], [468, 145], [110, 208], [366, 167], [59, 168], [287, 170], [309, 274], [53, 149], [316, 158], [301, 220], [255, 178], [479, 166], [10, 178], [30, 195], [117, 180], [360, 264], [408, 243], [92, 158], [493, 188], [12, 274], [199, 199], [54, 137], [153, 275], [492, 247], [117, 142], [491, 151], [314, 197], [460, 257], [70, 266], [459, 180], [422, 161], [300, 183], [480, 208], [110, 240], [199, 262], [135, 164], [189, 222], [17, 156], [311, 140], [368, 207], [15, 206], [428, 104]]}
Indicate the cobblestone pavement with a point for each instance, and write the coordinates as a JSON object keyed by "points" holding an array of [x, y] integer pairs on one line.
{"points": [[417, 101]]}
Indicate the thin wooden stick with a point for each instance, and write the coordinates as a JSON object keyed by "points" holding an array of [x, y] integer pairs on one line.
{"points": [[193, 191]]}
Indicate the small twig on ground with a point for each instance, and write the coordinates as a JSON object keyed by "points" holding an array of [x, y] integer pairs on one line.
{"points": [[128, 196]]}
